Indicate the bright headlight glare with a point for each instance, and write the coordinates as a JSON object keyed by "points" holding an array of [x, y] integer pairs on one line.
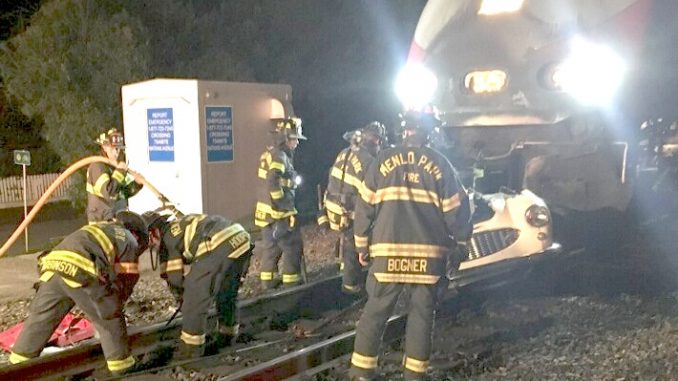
{"points": [[415, 86], [297, 180], [488, 81], [538, 216], [495, 7], [592, 74]]}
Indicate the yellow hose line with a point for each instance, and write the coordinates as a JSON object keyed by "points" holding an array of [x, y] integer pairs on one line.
{"points": [[68, 172]]}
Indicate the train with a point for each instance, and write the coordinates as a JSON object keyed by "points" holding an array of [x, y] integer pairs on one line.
{"points": [[529, 91]]}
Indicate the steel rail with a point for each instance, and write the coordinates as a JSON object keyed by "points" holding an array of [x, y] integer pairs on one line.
{"points": [[311, 298], [303, 363], [308, 299], [312, 357]]}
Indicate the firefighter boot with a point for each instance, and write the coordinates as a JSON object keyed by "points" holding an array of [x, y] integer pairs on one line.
{"points": [[186, 351], [414, 376], [270, 284], [291, 285], [351, 289], [222, 340], [224, 337], [136, 367]]}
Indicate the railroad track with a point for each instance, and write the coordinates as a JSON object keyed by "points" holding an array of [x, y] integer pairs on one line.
{"points": [[291, 353], [278, 308]]}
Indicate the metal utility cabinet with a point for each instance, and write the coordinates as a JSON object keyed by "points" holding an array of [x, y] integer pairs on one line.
{"points": [[199, 142]]}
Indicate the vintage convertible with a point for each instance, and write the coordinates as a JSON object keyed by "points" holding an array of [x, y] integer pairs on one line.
{"points": [[512, 232]]}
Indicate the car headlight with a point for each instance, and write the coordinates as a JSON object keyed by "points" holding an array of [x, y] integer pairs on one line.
{"points": [[415, 86], [538, 216]]}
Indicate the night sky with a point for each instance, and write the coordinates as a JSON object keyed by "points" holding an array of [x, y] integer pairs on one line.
{"points": [[651, 92]]}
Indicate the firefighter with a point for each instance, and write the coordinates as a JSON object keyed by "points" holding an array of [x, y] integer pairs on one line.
{"points": [[217, 252], [343, 187], [411, 211], [275, 212], [94, 268], [109, 188]]}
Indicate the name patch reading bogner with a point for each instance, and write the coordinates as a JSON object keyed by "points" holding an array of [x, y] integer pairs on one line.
{"points": [[406, 265]]}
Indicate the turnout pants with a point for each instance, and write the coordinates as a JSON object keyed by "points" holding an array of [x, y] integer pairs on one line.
{"points": [[287, 249], [213, 277], [352, 272], [382, 298], [53, 301]]}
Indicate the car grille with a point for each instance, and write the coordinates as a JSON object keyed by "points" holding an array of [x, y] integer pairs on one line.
{"points": [[490, 242]]}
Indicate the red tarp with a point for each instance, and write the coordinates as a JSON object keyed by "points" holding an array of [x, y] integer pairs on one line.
{"points": [[71, 330]]}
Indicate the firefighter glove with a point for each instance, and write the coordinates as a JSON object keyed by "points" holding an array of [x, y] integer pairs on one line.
{"points": [[323, 221], [457, 255], [280, 228], [364, 258], [122, 166], [178, 294]]}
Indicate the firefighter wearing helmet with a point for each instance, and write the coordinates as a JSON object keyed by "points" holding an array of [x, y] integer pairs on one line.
{"points": [[109, 188], [275, 211], [94, 268], [343, 187], [411, 211], [218, 252]]}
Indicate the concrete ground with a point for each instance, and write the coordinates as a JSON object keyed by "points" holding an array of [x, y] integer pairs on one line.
{"points": [[18, 267]]}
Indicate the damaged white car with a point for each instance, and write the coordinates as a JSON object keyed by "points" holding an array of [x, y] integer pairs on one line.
{"points": [[511, 231]]}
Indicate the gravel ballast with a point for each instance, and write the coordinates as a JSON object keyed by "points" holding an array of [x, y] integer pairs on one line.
{"points": [[578, 332]]}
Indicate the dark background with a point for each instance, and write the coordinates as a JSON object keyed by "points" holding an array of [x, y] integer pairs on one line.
{"points": [[340, 57]]}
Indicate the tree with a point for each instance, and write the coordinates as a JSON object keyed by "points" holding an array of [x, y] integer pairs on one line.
{"points": [[19, 132], [13, 15], [186, 43], [67, 67]]}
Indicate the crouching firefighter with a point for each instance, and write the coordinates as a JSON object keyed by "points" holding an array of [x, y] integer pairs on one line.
{"points": [[275, 210], [343, 187], [203, 259], [94, 268], [411, 210]]}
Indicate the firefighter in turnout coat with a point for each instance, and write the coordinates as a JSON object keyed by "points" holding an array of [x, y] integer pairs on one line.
{"points": [[202, 258], [411, 211], [109, 188], [275, 211], [343, 187], [94, 268]]}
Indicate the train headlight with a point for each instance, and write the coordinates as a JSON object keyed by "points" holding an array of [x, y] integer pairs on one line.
{"points": [[297, 180], [415, 86], [592, 73], [495, 7], [487, 81], [538, 216]]}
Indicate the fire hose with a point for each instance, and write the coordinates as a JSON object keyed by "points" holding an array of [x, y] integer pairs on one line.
{"points": [[67, 173]]}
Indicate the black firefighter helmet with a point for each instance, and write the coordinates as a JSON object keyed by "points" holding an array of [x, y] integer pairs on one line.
{"points": [[288, 128], [111, 137], [422, 122], [136, 224], [378, 130], [375, 129], [157, 218]]}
